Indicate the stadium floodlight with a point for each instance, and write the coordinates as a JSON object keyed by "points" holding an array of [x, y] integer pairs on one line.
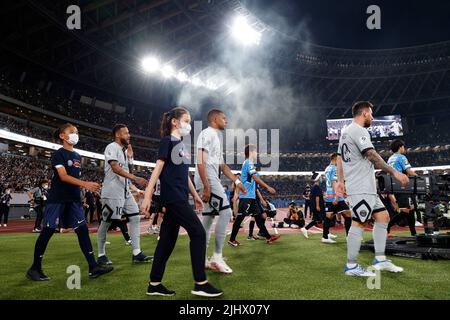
{"points": [[168, 71], [182, 77], [150, 64], [244, 33]]}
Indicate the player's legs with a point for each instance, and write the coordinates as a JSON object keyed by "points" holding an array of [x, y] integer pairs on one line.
{"points": [[251, 227], [52, 214], [236, 226], [221, 231], [73, 217], [361, 208], [380, 233], [347, 220], [354, 239], [261, 223], [379, 239], [207, 221], [135, 233], [101, 237]]}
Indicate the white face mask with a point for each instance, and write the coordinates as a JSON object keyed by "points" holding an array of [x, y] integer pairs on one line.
{"points": [[73, 138], [185, 129]]}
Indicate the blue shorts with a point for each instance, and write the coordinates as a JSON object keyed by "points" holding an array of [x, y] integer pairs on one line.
{"points": [[66, 214]]}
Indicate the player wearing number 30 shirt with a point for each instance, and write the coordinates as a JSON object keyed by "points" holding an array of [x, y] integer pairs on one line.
{"points": [[355, 165]]}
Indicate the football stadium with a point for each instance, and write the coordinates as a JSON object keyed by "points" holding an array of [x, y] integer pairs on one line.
{"points": [[224, 150]]}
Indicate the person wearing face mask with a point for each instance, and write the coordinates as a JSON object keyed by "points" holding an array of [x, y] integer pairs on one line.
{"points": [[64, 205], [172, 168], [5, 199], [117, 200], [38, 198]]}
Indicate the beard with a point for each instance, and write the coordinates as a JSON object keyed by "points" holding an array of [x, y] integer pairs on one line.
{"points": [[125, 142], [367, 123]]}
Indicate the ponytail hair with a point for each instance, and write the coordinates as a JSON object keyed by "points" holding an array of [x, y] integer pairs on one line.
{"points": [[166, 122], [60, 130]]}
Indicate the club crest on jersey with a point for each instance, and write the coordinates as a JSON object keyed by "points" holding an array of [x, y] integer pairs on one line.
{"points": [[183, 153], [70, 163], [363, 140], [77, 164]]}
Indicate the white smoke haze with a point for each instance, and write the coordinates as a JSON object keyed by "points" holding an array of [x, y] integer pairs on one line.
{"points": [[256, 94]]}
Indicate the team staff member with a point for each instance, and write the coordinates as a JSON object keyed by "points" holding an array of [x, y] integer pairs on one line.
{"points": [[64, 204], [317, 205], [38, 198], [402, 202], [307, 198], [5, 199], [356, 165], [173, 171]]}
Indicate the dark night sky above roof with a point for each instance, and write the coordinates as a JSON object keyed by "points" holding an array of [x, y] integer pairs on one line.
{"points": [[342, 23]]}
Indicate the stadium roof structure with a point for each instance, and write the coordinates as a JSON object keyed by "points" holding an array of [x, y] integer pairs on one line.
{"points": [[105, 53]]}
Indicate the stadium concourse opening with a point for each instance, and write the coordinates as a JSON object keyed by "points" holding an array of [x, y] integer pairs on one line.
{"points": [[227, 150]]}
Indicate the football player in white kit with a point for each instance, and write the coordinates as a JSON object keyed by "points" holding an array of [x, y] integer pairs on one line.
{"points": [[209, 165]]}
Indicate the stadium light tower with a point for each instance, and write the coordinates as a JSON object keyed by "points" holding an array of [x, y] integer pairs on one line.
{"points": [[243, 32], [150, 64]]}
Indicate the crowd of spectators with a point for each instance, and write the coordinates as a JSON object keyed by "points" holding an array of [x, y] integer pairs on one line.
{"points": [[85, 143], [23, 172], [136, 118]]}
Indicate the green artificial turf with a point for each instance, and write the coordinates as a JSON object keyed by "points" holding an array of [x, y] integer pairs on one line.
{"points": [[291, 268]]}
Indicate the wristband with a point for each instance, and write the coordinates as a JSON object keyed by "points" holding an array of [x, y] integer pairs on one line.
{"points": [[237, 182]]}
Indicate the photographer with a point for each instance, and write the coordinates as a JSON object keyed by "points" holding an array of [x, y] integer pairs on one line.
{"points": [[5, 199], [403, 203], [38, 198]]}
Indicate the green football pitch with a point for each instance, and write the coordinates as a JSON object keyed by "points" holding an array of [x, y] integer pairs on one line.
{"points": [[291, 268]]}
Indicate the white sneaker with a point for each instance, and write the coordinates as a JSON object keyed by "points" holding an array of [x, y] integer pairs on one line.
{"points": [[4, 225], [107, 242], [418, 224], [220, 265], [386, 265], [328, 240], [332, 236], [207, 264], [305, 232], [358, 271], [128, 243]]}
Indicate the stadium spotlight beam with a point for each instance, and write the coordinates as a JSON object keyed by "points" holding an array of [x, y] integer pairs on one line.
{"points": [[167, 71], [182, 77], [244, 33], [150, 64]]}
